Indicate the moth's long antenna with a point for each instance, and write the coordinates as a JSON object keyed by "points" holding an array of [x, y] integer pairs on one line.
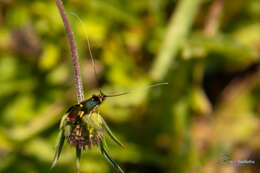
{"points": [[136, 90], [89, 48], [94, 66]]}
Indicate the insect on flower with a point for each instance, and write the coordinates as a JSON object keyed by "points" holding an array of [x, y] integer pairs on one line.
{"points": [[83, 127]]}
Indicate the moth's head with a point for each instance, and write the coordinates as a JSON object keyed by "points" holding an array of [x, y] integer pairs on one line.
{"points": [[99, 98]]}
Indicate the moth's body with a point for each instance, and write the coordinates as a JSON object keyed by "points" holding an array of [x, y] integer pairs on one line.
{"points": [[76, 112], [82, 131]]}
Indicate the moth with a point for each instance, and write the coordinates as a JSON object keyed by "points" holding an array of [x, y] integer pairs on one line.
{"points": [[82, 126]]}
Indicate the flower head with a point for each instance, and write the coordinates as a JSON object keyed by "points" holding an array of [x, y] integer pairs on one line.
{"points": [[81, 136], [82, 128]]}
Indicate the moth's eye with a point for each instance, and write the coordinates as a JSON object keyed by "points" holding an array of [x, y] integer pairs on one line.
{"points": [[95, 98]]}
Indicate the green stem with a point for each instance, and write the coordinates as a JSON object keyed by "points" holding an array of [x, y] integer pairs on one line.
{"points": [[78, 155]]}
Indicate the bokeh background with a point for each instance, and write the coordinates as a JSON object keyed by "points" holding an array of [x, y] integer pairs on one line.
{"points": [[208, 115]]}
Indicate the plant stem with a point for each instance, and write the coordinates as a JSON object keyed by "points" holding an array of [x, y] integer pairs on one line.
{"points": [[73, 50], [179, 26]]}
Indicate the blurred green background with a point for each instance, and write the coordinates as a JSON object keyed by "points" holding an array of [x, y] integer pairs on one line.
{"points": [[207, 116]]}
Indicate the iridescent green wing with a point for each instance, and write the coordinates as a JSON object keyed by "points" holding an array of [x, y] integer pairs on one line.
{"points": [[108, 157]]}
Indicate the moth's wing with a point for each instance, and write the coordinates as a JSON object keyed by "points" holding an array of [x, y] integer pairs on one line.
{"points": [[58, 148], [61, 139], [108, 157], [109, 132]]}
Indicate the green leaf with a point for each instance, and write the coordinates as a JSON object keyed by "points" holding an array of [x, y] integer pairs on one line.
{"points": [[109, 158], [59, 148], [63, 121], [109, 132]]}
